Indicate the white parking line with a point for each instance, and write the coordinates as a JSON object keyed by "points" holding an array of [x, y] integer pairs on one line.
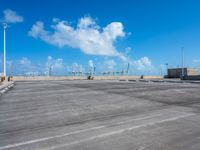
{"points": [[119, 131], [95, 128], [70, 133], [48, 138]]}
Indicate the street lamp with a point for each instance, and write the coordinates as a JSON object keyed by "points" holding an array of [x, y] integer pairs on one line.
{"points": [[4, 66], [50, 69], [183, 72], [167, 68]]}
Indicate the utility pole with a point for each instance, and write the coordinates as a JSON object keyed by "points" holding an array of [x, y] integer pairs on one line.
{"points": [[161, 70], [94, 69], [127, 70], [182, 50], [50, 70], [167, 68], [4, 66]]}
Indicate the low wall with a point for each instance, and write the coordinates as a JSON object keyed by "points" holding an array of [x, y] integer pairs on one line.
{"points": [[22, 78], [125, 77], [196, 77]]}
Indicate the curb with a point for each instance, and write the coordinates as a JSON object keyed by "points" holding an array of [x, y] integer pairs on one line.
{"points": [[4, 88], [161, 81]]}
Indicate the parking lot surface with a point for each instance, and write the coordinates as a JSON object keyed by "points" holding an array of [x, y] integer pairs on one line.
{"points": [[100, 115]]}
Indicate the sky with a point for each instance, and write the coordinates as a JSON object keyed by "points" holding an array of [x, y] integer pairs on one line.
{"points": [[78, 36]]}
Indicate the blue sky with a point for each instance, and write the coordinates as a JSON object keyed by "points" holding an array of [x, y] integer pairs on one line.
{"points": [[77, 35]]}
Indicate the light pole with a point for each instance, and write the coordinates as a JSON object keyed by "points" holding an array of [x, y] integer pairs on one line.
{"points": [[167, 68], [182, 50], [161, 71], [4, 64], [50, 69]]}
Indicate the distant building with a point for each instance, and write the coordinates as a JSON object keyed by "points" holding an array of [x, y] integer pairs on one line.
{"points": [[177, 72]]}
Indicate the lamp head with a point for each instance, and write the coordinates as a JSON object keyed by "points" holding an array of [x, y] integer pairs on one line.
{"points": [[5, 25]]}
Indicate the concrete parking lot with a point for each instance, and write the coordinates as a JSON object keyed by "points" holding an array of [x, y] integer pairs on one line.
{"points": [[100, 115]]}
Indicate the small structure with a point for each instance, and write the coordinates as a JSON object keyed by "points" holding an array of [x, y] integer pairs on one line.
{"points": [[177, 72]]}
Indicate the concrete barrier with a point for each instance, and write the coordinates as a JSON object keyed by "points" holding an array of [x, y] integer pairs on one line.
{"points": [[39, 78], [5, 86], [22, 78], [196, 77]]}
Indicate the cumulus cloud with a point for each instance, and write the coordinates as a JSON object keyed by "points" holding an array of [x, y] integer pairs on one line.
{"points": [[55, 66], [11, 16], [25, 64], [22, 66], [76, 68], [59, 63], [196, 61], [110, 64], [128, 50], [54, 63], [91, 64], [90, 38], [58, 66], [142, 64], [49, 58], [162, 66], [24, 61]]}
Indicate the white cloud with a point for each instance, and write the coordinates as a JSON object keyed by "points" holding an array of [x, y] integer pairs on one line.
{"points": [[110, 64], [59, 67], [162, 66], [9, 63], [128, 50], [49, 58], [143, 64], [59, 63], [91, 64], [123, 57], [24, 61], [55, 63], [87, 36], [86, 22], [22, 66], [11, 16], [196, 61], [76, 68], [81, 68], [55, 66]]}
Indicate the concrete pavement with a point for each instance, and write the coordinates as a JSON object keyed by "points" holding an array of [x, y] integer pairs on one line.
{"points": [[96, 115]]}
